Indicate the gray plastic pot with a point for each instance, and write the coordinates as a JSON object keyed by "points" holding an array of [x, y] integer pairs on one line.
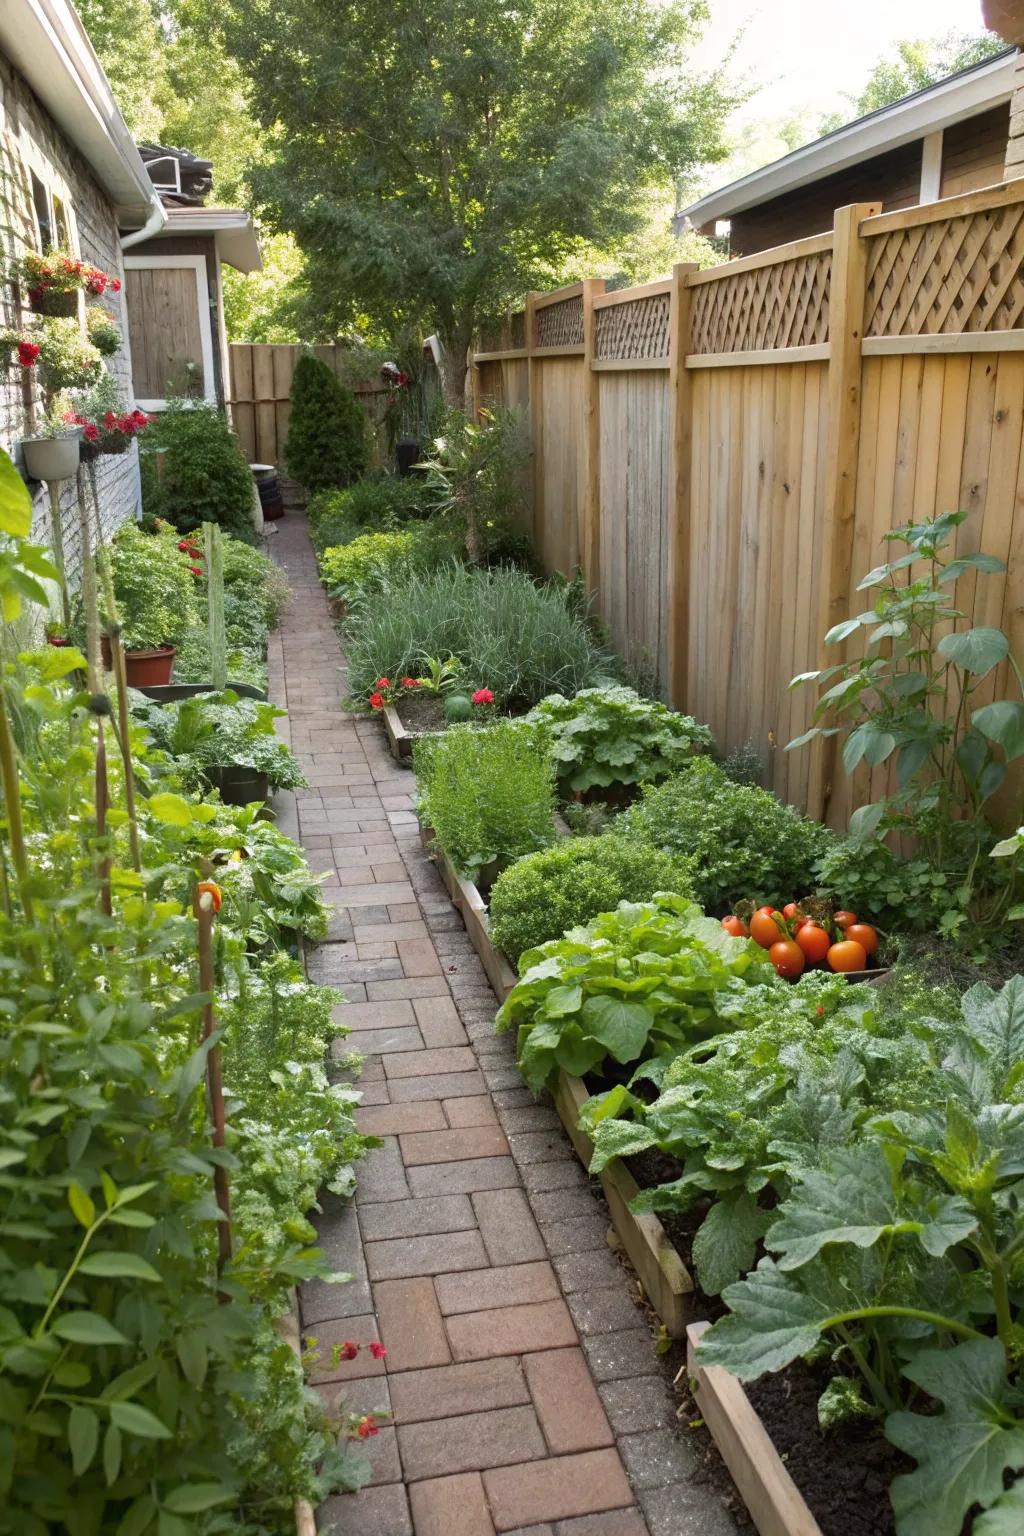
{"points": [[51, 458]]}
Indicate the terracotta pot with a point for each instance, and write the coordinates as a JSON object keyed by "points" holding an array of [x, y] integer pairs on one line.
{"points": [[51, 458], [147, 669]]}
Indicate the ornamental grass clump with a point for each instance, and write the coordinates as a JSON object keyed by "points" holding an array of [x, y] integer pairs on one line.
{"points": [[543, 895], [489, 795], [744, 843], [525, 639]]}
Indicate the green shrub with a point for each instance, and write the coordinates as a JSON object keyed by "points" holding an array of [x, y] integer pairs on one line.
{"points": [[544, 895], [489, 795], [153, 586], [205, 478], [329, 527], [513, 636], [253, 578], [378, 502], [326, 443], [371, 560], [744, 843], [608, 736], [192, 663], [908, 894], [475, 476]]}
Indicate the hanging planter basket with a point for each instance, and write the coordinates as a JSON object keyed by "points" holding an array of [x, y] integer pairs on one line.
{"points": [[51, 458], [51, 301]]}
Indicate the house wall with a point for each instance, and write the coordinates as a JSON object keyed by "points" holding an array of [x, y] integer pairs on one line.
{"points": [[29, 141], [973, 152]]}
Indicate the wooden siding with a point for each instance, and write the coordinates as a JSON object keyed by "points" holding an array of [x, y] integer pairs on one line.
{"points": [[973, 152]]}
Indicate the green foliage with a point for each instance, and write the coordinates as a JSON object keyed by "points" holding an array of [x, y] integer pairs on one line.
{"points": [[373, 560], [914, 64], [608, 736], [905, 894], [484, 158], [520, 639], [153, 587], [253, 578], [908, 698], [642, 981], [743, 765], [488, 795], [743, 842], [476, 480], [544, 894], [378, 503], [221, 730], [205, 477], [326, 444]]}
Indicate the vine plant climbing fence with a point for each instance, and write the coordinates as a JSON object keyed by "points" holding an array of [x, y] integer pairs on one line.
{"points": [[722, 453]]}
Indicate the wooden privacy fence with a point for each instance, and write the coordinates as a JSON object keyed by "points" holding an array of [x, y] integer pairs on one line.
{"points": [[260, 386], [722, 452]]}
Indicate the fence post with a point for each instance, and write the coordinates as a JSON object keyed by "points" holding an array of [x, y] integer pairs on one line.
{"points": [[590, 533], [534, 389], [680, 396], [845, 331]]}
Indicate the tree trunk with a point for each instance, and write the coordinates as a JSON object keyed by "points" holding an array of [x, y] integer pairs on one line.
{"points": [[454, 365]]}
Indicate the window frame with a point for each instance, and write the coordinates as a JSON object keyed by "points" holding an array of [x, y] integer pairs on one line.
{"points": [[133, 263]]}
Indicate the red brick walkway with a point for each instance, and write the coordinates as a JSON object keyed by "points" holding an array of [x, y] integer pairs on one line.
{"points": [[526, 1394]]}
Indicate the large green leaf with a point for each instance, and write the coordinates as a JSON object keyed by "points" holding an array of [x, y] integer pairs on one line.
{"points": [[725, 1246], [83, 1437], [87, 1328], [1005, 1517], [772, 1321], [976, 650], [136, 1420], [963, 1452], [1003, 723], [116, 1265], [996, 1021], [622, 1027], [15, 501]]}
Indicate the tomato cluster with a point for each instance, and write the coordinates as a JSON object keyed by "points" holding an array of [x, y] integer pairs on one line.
{"points": [[796, 939]]}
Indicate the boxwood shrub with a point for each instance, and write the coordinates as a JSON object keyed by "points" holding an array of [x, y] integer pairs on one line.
{"points": [[742, 840], [545, 894]]}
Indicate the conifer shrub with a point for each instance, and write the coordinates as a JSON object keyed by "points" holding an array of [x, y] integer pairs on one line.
{"points": [[326, 444]]}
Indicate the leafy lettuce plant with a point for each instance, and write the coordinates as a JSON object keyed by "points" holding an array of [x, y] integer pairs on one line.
{"points": [[221, 730], [605, 736], [898, 1249], [645, 980]]}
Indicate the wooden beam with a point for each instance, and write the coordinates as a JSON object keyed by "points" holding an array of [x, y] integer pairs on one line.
{"points": [[628, 364], [679, 574], [534, 386], [557, 295], [931, 167], [813, 352], [575, 350], [630, 295], [590, 533], [957, 342], [813, 245], [1000, 195], [501, 357], [846, 329]]}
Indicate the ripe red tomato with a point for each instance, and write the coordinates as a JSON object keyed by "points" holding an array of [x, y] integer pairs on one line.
{"points": [[787, 957], [814, 942], [848, 955], [789, 910], [764, 928], [864, 934], [844, 919], [736, 926]]}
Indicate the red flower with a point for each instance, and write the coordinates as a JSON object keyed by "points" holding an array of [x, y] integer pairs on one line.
{"points": [[91, 432], [376, 701], [383, 682], [115, 285], [483, 696], [410, 682], [184, 545], [110, 421], [377, 1350], [821, 1011], [348, 1350], [367, 1426], [195, 570], [27, 353]]}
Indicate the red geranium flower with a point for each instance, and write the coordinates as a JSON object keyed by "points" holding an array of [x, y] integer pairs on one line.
{"points": [[91, 432], [377, 1350], [27, 353], [376, 701], [383, 682], [483, 696], [410, 682], [115, 285], [195, 570], [348, 1350], [367, 1426], [110, 421]]}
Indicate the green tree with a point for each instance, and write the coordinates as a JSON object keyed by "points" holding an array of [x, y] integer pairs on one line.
{"points": [[437, 158], [326, 444], [916, 63]]}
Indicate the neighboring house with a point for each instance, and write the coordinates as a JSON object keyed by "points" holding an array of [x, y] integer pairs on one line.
{"points": [[69, 176], [174, 289], [949, 138]]}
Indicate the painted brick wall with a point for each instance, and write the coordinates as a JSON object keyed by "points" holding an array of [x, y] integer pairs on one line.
{"points": [[30, 141]]}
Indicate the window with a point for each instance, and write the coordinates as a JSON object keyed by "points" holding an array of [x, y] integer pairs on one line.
{"points": [[44, 214], [61, 226]]}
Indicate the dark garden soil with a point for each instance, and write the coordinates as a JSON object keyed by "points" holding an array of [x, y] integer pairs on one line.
{"points": [[425, 712]]}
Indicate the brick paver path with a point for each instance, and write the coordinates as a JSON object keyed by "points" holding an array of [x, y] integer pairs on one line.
{"points": [[522, 1378]]}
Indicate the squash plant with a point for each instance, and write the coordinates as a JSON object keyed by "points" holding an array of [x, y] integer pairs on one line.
{"points": [[605, 736], [913, 697]]}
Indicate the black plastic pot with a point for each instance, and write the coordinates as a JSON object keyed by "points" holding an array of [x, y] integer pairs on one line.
{"points": [[407, 453], [239, 785]]}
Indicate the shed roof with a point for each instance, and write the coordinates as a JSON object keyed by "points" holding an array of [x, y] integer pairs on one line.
{"points": [[237, 241], [966, 94]]}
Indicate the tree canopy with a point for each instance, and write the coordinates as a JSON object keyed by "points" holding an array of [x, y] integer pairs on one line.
{"points": [[916, 63], [437, 158]]}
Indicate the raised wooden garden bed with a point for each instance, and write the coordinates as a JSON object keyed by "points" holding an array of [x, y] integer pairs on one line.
{"points": [[773, 1500], [664, 1276], [289, 1328], [399, 739]]}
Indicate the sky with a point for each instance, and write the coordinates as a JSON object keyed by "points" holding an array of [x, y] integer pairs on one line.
{"points": [[806, 52]]}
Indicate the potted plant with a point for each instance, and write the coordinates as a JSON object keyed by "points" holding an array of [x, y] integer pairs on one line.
{"points": [[154, 587], [56, 634], [65, 358], [225, 741], [103, 330], [107, 427], [54, 281], [52, 452]]}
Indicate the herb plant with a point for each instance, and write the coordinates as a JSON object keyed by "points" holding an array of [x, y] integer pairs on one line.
{"points": [[377, 503], [744, 843], [372, 560], [645, 980], [488, 794], [911, 697], [544, 894], [153, 586], [221, 730], [606, 736]]}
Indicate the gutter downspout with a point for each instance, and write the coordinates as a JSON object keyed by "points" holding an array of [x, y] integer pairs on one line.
{"points": [[155, 222]]}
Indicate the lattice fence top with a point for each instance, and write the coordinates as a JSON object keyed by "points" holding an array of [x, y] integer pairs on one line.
{"points": [[953, 275], [783, 305], [561, 324], [636, 329], [506, 335]]}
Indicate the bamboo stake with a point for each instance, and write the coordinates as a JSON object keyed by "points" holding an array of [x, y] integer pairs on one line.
{"points": [[204, 909], [12, 805], [214, 550], [57, 545], [92, 645]]}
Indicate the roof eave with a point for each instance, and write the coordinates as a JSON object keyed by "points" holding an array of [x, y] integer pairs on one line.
{"points": [[232, 228], [911, 118]]}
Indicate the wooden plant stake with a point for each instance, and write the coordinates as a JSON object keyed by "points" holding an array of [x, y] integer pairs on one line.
{"points": [[57, 545], [92, 647], [206, 904], [214, 551]]}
